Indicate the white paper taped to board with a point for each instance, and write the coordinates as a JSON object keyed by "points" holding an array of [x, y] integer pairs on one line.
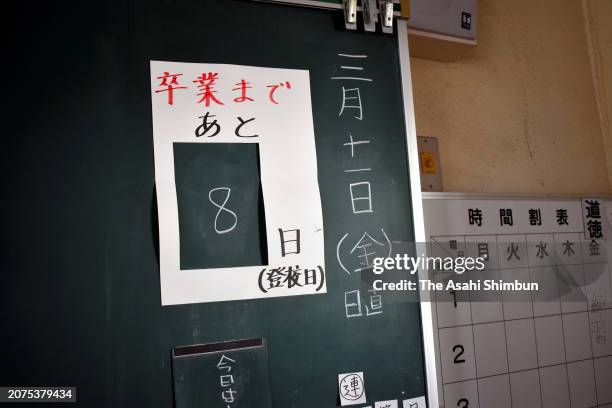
{"points": [[386, 404], [351, 387], [418, 402], [232, 104]]}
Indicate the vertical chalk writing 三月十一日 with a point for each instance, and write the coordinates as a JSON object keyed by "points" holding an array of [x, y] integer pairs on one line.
{"points": [[357, 256]]}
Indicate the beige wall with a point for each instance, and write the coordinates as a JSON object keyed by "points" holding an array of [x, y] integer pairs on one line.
{"points": [[518, 113], [598, 20]]}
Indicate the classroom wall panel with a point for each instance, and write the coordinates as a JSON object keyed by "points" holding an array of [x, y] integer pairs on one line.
{"points": [[518, 112]]}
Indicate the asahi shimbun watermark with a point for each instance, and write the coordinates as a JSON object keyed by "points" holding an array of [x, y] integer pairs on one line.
{"points": [[458, 265], [490, 271]]}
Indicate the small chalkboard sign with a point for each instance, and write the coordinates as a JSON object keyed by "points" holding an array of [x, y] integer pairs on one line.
{"points": [[231, 373]]}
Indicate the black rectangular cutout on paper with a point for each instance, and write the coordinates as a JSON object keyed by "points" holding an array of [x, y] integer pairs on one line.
{"points": [[220, 205]]}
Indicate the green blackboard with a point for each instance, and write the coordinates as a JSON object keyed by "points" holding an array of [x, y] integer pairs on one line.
{"points": [[81, 290]]}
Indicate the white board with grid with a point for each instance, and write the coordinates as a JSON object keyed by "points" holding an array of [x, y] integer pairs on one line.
{"points": [[529, 353]]}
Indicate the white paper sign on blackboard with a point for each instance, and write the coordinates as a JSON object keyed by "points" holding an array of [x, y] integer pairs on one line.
{"points": [[212, 104]]}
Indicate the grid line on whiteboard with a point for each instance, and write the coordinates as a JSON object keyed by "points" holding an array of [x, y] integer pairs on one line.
{"points": [[521, 318], [598, 304], [527, 369]]}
